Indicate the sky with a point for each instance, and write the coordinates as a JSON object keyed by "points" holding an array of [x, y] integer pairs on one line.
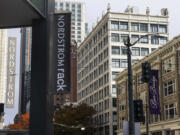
{"points": [[94, 9]]}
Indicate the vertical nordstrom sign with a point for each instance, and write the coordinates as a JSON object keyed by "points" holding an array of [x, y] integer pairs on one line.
{"points": [[62, 52], [11, 69]]}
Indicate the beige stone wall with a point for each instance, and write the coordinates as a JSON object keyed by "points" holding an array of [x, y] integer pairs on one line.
{"points": [[166, 59]]}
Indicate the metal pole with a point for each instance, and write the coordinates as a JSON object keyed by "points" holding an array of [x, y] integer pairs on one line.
{"points": [[41, 108], [130, 90], [147, 119]]}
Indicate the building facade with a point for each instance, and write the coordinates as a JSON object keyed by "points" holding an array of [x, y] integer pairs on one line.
{"points": [[3, 65], [78, 25], [166, 60], [102, 55], [26, 43]]}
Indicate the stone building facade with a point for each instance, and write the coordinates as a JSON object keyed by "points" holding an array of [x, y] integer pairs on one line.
{"points": [[166, 59], [102, 55]]}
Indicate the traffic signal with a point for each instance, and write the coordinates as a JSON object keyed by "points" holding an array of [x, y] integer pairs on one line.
{"points": [[138, 111], [146, 72], [1, 108]]}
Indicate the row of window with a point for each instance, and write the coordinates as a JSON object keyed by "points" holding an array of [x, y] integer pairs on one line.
{"points": [[115, 37], [138, 27], [67, 5], [93, 51], [94, 40], [169, 87], [94, 98], [98, 83], [74, 23], [78, 32], [78, 17], [119, 63], [101, 119], [102, 106], [78, 36], [86, 69], [93, 75], [135, 51]]}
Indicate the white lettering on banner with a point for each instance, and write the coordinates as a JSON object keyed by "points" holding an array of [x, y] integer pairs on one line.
{"points": [[153, 101], [11, 68], [60, 53], [9, 101]]}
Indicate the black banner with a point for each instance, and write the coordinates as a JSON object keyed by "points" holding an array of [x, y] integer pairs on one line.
{"points": [[62, 52]]}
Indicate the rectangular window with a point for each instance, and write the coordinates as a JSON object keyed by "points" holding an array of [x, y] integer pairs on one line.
{"points": [[114, 102], [144, 51], [134, 38], [134, 26], [135, 51], [113, 89], [79, 18], [114, 75], [169, 87], [143, 27], [144, 40], [123, 25], [162, 40], [124, 37], [153, 49], [61, 6], [162, 28], [154, 27], [124, 63], [170, 111], [116, 50], [114, 116], [79, 6], [73, 5], [123, 50], [154, 40], [114, 25], [168, 65], [116, 63], [67, 6], [115, 37]]}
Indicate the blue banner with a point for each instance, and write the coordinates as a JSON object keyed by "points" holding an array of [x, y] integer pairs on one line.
{"points": [[154, 93]]}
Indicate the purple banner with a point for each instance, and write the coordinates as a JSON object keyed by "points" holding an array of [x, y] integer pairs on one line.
{"points": [[154, 93]]}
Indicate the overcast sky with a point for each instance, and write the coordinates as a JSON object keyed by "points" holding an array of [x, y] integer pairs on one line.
{"points": [[95, 8]]}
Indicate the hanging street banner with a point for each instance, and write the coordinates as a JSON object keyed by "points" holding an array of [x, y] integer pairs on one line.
{"points": [[62, 51], [154, 93], [11, 70]]}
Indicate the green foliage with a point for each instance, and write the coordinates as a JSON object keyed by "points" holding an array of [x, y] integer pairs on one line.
{"points": [[72, 118]]}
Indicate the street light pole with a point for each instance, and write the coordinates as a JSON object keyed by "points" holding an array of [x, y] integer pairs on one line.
{"points": [[147, 119], [128, 44], [130, 89]]}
